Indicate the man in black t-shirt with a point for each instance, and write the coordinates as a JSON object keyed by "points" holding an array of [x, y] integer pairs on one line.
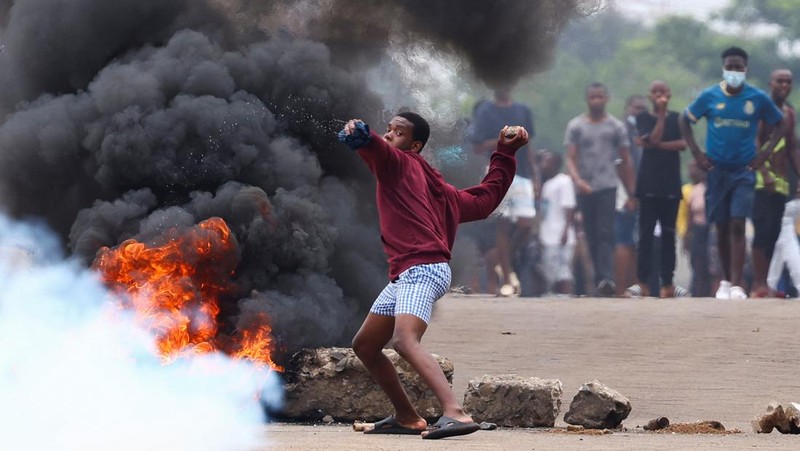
{"points": [[658, 187]]}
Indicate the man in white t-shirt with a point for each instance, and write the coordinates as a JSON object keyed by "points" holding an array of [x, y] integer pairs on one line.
{"points": [[557, 230]]}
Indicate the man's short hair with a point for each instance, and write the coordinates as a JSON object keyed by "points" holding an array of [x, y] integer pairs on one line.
{"points": [[734, 51], [557, 158], [421, 131], [782, 69], [597, 85], [633, 97]]}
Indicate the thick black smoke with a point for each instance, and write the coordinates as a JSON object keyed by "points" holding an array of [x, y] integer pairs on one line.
{"points": [[502, 40], [126, 119]]}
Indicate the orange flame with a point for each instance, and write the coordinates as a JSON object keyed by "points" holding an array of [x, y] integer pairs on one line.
{"points": [[257, 346], [174, 290]]}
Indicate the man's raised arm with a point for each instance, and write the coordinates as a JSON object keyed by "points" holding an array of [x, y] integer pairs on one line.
{"points": [[479, 201]]}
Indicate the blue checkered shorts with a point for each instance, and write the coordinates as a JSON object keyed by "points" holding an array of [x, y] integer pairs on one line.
{"points": [[414, 291]]}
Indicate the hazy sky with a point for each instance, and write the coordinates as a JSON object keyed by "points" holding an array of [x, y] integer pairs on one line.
{"points": [[698, 8]]}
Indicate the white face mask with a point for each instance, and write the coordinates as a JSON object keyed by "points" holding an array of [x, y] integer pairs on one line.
{"points": [[734, 79]]}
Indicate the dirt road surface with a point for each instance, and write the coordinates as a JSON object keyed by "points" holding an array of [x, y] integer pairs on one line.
{"points": [[686, 359]]}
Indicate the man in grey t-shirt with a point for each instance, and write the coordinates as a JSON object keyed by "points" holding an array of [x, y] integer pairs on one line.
{"points": [[598, 153]]}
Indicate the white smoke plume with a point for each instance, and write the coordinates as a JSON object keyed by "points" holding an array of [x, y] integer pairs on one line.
{"points": [[76, 374]]}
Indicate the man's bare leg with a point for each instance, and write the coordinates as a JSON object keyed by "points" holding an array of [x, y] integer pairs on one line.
{"points": [[503, 246], [563, 287], [368, 345], [760, 269], [521, 234], [408, 331], [511, 237], [491, 261]]}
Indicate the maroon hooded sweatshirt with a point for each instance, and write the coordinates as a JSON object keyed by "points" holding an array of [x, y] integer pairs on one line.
{"points": [[419, 212]]}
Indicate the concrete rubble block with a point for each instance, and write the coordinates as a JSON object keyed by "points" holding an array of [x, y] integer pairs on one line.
{"points": [[514, 401], [774, 418], [333, 382], [597, 406], [785, 420], [793, 415]]}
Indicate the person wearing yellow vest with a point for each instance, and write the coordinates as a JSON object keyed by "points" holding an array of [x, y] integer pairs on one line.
{"points": [[772, 184]]}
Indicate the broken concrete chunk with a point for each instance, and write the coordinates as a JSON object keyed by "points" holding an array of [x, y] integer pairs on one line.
{"points": [[596, 406], [514, 401], [333, 382], [786, 421]]}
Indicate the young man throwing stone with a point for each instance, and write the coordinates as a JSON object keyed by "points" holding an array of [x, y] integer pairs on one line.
{"points": [[419, 213]]}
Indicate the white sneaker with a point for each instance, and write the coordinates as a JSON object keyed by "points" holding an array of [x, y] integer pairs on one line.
{"points": [[681, 292], [507, 290], [737, 293], [724, 290]]}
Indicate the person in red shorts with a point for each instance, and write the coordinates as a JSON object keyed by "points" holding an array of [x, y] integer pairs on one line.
{"points": [[419, 213]]}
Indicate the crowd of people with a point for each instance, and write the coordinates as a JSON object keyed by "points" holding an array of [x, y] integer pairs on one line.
{"points": [[608, 215], [622, 179]]}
